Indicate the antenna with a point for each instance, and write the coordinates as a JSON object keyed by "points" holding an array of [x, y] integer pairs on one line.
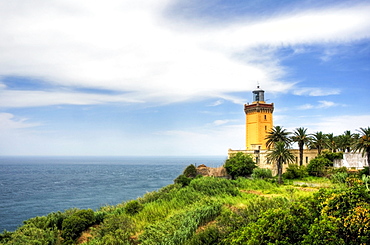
{"points": [[258, 84]]}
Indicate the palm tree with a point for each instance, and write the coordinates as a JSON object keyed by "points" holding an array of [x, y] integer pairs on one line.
{"points": [[363, 144], [318, 141], [332, 142], [302, 138], [277, 134], [346, 141], [280, 154]]}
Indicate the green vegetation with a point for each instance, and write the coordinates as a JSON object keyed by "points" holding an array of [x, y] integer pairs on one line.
{"points": [[220, 211], [240, 165], [318, 204], [261, 173]]}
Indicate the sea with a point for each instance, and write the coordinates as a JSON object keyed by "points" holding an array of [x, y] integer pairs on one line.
{"points": [[36, 186]]}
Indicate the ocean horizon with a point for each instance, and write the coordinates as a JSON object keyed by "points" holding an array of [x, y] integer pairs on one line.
{"points": [[33, 186]]}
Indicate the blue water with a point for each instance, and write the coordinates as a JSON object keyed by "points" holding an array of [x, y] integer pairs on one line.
{"points": [[36, 186]]}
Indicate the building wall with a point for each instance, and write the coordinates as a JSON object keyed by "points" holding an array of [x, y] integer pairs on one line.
{"points": [[260, 158], [258, 123]]}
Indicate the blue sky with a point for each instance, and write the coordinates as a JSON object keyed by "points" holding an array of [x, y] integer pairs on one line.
{"points": [[162, 77]]}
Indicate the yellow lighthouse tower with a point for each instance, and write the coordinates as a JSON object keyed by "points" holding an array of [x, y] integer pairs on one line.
{"points": [[258, 121]]}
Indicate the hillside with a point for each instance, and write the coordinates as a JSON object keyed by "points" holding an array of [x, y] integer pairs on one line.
{"points": [[215, 211]]}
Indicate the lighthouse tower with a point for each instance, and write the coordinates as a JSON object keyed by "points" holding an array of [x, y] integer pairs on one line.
{"points": [[259, 121]]}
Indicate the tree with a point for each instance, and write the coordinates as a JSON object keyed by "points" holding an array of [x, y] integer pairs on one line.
{"points": [[75, 224], [190, 171], [240, 164], [280, 154], [318, 141], [276, 134], [332, 142], [346, 141], [363, 144], [317, 166], [302, 138]]}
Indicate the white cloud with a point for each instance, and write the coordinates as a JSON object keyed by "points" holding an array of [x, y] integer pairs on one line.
{"points": [[322, 104], [316, 91], [338, 124], [305, 107], [129, 46], [9, 122], [216, 103], [12, 98], [326, 104], [222, 122]]}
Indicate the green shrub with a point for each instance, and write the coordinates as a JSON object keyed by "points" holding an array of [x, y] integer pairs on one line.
{"points": [[339, 178], [182, 180], [332, 155], [178, 228], [164, 193], [295, 172], [240, 164], [190, 171], [364, 171], [317, 166], [117, 228], [285, 225], [210, 236], [214, 186], [31, 235], [261, 173], [75, 224], [133, 207]]}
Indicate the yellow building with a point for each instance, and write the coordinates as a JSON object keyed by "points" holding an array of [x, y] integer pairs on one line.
{"points": [[259, 121]]}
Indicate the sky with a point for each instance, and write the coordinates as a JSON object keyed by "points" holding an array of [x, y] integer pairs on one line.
{"points": [[170, 77]]}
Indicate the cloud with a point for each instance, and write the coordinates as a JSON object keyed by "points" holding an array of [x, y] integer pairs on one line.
{"points": [[322, 104], [326, 104], [9, 122], [316, 91], [216, 103], [14, 98], [305, 107], [338, 124], [131, 46], [221, 122]]}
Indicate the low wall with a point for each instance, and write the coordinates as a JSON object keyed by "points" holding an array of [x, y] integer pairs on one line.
{"points": [[351, 160], [260, 158]]}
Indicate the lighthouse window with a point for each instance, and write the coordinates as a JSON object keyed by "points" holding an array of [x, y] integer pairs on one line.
{"points": [[265, 117]]}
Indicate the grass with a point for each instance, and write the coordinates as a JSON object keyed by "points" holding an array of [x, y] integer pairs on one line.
{"points": [[175, 214]]}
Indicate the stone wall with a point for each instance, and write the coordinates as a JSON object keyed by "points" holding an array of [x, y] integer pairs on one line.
{"points": [[351, 160]]}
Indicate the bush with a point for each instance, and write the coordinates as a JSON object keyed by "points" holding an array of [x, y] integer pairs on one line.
{"points": [[75, 224], [190, 171], [214, 186], [182, 180], [295, 172], [339, 177], [116, 226], [364, 171], [275, 226], [261, 173], [240, 164], [332, 155], [133, 207], [317, 166]]}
